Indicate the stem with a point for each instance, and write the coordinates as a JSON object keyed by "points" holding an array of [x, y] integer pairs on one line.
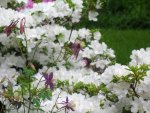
{"points": [[1, 109], [86, 10], [55, 103], [71, 32], [65, 110], [29, 96], [19, 46], [59, 55], [35, 50], [26, 56], [38, 83], [135, 84], [23, 99], [135, 92]]}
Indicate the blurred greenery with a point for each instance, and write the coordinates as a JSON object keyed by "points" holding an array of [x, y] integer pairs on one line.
{"points": [[124, 41], [122, 14], [125, 26], [125, 14]]}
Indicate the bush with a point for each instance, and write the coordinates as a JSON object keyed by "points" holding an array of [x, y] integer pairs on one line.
{"points": [[123, 14]]}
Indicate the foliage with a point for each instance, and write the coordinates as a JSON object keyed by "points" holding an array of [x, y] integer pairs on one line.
{"points": [[123, 14], [49, 65], [124, 41]]}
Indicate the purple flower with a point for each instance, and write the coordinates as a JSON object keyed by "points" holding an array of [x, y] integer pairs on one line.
{"points": [[29, 4], [76, 47], [49, 80], [22, 25], [67, 105], [47, 1], [8, 29]]}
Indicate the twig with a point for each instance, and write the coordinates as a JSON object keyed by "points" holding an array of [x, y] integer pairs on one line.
{"points": [[71, 32], [36, 50], [29, 95], [26, 56], [55, 103]]}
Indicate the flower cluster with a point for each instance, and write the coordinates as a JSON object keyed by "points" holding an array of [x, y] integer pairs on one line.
{"points": [[48, 65]]}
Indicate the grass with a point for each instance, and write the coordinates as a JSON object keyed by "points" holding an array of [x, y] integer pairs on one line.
{"points": [[124, 41]]}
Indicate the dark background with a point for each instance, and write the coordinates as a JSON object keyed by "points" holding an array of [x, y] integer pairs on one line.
{"points": [[123, 14]]}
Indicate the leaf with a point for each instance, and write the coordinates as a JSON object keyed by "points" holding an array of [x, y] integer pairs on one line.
{"points": [[71, 4], [45, 94], [2, 29], [103, 88], [36, 102], [10, 89], [77, 86], [28, 71], [115, 79]]}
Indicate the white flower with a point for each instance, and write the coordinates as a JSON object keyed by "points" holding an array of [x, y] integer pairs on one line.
{"points": [[139, 57], [84, 33], [97, 47], [101, 63], [116, 69], [140, 105], [98, 4], [12, 60], [87, 52], [93, 15], [97, 35], [8, 75]]}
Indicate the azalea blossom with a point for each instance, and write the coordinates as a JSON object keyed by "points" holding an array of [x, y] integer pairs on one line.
{"points": [[49, 43]]}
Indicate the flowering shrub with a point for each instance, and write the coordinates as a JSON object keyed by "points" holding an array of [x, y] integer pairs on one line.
{"points": [[48, 66]]}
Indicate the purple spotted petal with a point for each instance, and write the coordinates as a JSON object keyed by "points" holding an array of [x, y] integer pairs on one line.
{"points": [[29, 4], [47, 1], [49, 80]]}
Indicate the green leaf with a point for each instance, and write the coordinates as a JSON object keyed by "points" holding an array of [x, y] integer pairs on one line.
{"points": [[2, 29], [68, 65], [102, 103], [28, 71], [90, 88], [26, 78], [77, 86], [10, 89], [45, 94], [115, 79], [112, 97], [62, 83], [36, 102], [103, 88], [71, 4]]}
